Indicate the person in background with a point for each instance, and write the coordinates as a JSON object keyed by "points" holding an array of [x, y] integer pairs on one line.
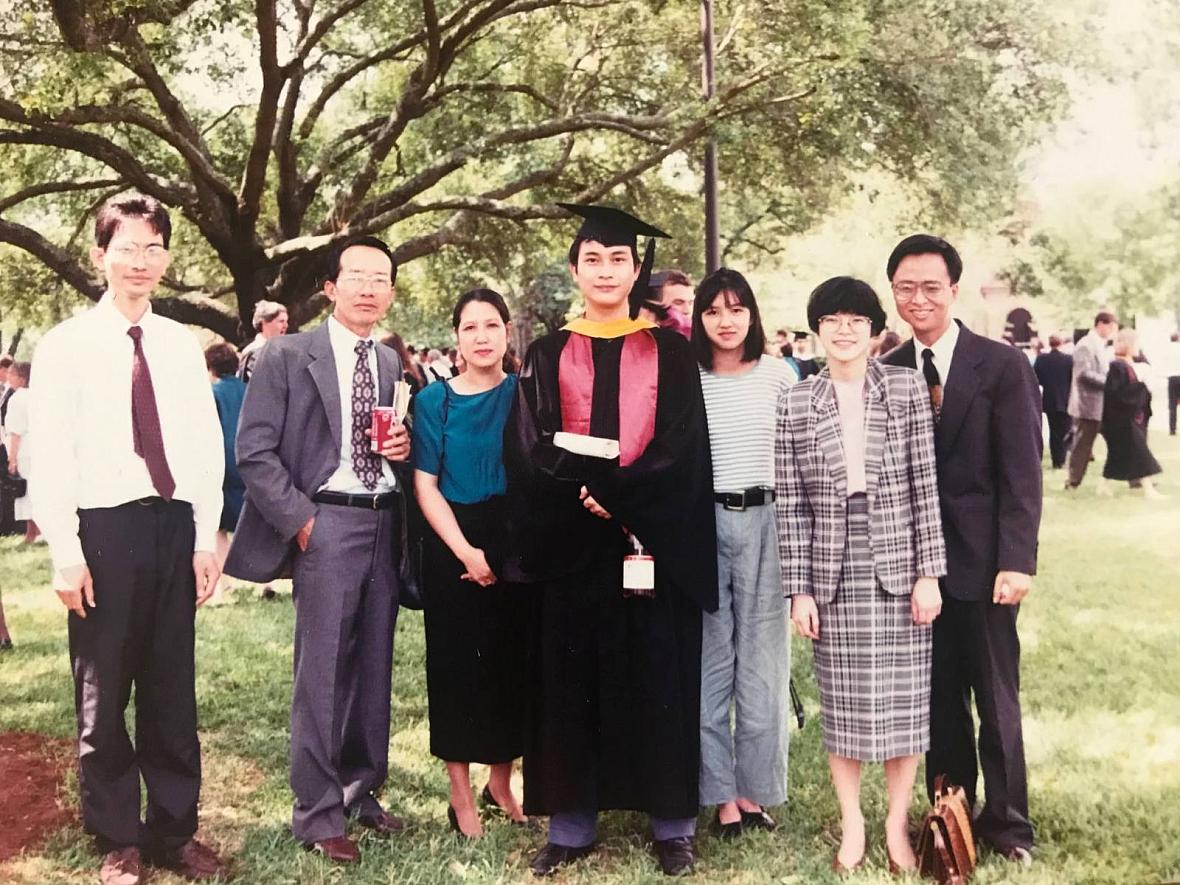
{"points": [[1126, 406], [228, 392], [804, 355], [669, 303], [1171, 370], [7, 526], [1091, 360], [475, 618], [781, 339], [884, 343], [129, 460], [270, 321], [862, 553], [788, 356], [20, 454], [438, 367], [745, 647], [412, 373], [988, 446], [1054, 371]]}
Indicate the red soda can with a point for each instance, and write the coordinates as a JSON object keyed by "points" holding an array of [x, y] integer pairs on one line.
{"points": [[384, 419]]}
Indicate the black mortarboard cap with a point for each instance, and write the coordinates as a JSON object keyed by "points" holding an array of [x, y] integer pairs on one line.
{"points": [[616, 227], [798, 335]]}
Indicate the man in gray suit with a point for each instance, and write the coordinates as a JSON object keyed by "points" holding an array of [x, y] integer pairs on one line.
{"points": [[1091, 360], [322, 508]]}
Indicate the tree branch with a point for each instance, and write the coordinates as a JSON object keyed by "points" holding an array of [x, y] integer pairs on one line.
{"points": [[55, 187], [254, 175], [52, 256]]}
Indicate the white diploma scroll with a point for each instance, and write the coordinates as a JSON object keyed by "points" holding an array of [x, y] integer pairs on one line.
{"points": [[580, 444]]}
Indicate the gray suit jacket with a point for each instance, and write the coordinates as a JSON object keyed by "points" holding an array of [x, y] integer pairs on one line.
{"points": [[288, 445], [1090, 365], [900, 476]]}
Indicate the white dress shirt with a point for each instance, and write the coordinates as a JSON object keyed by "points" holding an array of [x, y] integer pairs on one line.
{"points": [[943, 350], [344, 351], [81, 422]]}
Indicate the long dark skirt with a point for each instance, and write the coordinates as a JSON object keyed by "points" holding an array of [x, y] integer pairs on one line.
{"points": [[1127, 454], [475, 647], [615, 722], [872, 663]]}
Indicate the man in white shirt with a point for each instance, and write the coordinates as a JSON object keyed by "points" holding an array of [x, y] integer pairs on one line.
{"points": [[325, 509], [127, 490]]}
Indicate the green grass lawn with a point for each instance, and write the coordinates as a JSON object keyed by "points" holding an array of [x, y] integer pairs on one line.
{"points": [[1101, 634]]}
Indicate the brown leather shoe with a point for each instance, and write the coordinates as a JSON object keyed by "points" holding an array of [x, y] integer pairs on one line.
{"points": [[122, 867], [384, 823], [338, 849], [193, 860]]}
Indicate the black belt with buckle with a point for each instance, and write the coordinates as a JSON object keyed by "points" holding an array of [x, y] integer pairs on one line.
{"points": [[380, 501], [754, 497]]}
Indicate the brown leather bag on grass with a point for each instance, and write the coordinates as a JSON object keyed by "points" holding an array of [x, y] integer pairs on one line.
{"points": [[946, 846]]}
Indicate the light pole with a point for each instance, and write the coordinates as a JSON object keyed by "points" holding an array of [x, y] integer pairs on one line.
{"points": [[712, 226]]}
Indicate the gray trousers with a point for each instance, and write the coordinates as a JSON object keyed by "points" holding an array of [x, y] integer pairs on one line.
{"points": [[1085, 432], [745, 666], [345, 592]]}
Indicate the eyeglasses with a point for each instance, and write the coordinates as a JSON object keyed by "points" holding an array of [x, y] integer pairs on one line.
{"points": [[153, 253], [929, 288], [377, 282], [832, 322]]}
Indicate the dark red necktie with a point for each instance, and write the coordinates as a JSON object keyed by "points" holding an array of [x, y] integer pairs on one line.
{"points": [[145, 420]]}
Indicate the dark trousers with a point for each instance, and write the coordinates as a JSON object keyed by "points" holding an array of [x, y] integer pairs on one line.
{"points": [[1085, 431], [345, 592], [140, 632], [977, 652], [1173, 401], [1059, 427]]}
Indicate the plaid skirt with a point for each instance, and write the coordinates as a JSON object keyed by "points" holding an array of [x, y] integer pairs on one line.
{"points": [[872, 663]]}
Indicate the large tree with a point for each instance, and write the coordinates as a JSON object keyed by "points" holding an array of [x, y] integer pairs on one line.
{"points": [[273, 127]]}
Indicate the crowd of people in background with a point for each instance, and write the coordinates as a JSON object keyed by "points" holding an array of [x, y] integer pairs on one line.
{"points": [[614, 534]]}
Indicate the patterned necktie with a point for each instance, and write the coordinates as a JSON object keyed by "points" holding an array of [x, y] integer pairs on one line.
{"points": [[364, 397], [933, 381], [145, 420]]}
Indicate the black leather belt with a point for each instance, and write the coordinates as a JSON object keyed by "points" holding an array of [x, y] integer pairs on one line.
{"points": [[754, 497], [381, 501]]}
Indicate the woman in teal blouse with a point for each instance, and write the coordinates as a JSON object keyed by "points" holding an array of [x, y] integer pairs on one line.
{"points": [[474, 619]]}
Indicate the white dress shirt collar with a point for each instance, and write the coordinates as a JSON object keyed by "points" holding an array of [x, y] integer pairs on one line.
{"points": [[943, 349]]}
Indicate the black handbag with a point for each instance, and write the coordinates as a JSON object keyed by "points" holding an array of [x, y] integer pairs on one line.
{"points": [[15, 485]]}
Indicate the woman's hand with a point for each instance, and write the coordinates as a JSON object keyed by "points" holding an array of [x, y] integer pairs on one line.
{"points": [[926, 600], [478, 569], [805, 616]]}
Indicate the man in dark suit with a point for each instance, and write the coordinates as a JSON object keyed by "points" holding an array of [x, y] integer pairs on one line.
{"points": [[323, 508], [988, 448], [1054, 371]]}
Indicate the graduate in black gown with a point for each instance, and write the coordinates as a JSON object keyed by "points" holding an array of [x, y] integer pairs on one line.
{"points": [[615, 674]]}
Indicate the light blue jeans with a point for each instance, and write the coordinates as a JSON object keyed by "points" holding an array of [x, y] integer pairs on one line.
{"points": [[746, 666]]}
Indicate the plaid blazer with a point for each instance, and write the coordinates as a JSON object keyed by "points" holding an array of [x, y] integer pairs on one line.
{"points": [[905, 527]]}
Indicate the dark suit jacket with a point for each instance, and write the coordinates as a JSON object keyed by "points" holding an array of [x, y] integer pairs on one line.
{"points": [[988, 448], [289, 444], [1055, 372]]}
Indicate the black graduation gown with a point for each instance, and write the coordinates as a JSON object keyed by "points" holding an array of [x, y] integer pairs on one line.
{"points": [[1126, 406], [614, 682]]}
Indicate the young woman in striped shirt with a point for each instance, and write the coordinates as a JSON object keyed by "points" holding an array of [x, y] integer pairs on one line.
{"points": [[745, 655]]}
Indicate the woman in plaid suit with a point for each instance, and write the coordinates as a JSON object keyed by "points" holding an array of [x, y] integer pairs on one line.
{"points": [[861, 548]]}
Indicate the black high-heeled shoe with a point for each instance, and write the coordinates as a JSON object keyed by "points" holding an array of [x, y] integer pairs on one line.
{"points": [[453, 820], [489, 802]]}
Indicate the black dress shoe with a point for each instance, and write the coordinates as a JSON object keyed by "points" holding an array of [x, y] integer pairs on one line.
{"points": [[676, 856], [727, 831], [758, 819], [547, 861], [488, 799], [453, 820], [5, 644]]}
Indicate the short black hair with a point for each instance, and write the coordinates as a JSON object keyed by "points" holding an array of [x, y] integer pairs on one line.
{"points": [[845, 295], [485, 296], [221, 359], [576, 250], [1105, 316], [925, 244], [730, 282], [6, 361], [332, 260], [131, 205]]}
